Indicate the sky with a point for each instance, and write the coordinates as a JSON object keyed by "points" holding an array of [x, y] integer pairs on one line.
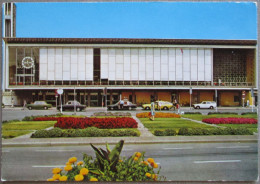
{"points": [[158, 20]]}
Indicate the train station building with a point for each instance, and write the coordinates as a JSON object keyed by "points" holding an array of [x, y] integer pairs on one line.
{"points": [[88, 69]]}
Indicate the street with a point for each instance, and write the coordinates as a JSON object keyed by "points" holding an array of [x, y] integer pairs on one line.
{"points": [[179, 162]]}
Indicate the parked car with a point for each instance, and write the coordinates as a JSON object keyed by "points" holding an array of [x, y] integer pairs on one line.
{"points": [[205, 105], [126, 106], [164, 105], [39, 105], [70, 106]]}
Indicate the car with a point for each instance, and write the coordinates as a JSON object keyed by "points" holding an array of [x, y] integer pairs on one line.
{"points": [[164, 105], [70, 105], [126, 106], [39, 105], [205, 105]]}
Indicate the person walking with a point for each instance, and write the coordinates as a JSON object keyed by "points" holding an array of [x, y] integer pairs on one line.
{"points": [[24, 104], [152, 110]]}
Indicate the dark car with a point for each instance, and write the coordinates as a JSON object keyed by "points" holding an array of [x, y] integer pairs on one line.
{"points": [[39, 105], [126, 106], [70, 105]]}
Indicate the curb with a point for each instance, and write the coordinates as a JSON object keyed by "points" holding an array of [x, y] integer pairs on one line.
{"points": [[128, 140]]}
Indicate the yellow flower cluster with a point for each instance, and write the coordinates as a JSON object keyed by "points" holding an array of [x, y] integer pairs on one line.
{"points": [[79, 177], [152, 163], [153, 176]]}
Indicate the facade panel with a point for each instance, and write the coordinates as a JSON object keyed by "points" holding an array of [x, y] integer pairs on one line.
{"points": [[149, 64], [194, 64], [43, 64], [104, 63], [172, 65], [164, 65], [127, 64], [186, 65], [111, 64], [157, 64], [119, 64], [141, 64], [201, 65], [179, 70], [134, 64], [89, 64]]}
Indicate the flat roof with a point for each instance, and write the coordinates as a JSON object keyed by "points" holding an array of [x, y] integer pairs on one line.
{"points": [[128, 41]]}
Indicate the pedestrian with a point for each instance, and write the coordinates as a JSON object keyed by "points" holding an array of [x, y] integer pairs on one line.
{"points": [[152, 110], [247, 103], [159, 104], [121, 104], [12, 101], [24, 104]]}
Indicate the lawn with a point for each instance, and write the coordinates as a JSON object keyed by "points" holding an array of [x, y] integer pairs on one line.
{"points": [[199, 117], [171, 123], [14, 129]]}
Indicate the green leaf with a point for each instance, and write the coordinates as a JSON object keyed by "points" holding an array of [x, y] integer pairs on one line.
{"points": [[108, 148], [96, 171]]}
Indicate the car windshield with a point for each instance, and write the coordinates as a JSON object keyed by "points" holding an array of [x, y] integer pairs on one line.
{"points": [[39, 103]]}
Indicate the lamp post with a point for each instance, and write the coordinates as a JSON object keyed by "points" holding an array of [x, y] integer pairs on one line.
{"points": [[60, 92]]}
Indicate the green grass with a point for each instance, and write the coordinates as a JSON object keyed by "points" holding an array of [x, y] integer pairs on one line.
{"points": [[171, 123], [12, 133], [14, 129], [201, 117]]}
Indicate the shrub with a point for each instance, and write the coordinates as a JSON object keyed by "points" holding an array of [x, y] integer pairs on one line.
{"points": [[222, 113], [170, 132], [158, 115], [88, 132], [192, 112], [109, 166], [183, 131], [158, 133], [55, 132], [105, 123], [230, 121], [40, 134], [245, 113]]}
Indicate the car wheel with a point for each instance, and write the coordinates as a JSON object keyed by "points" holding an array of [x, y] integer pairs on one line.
{"points": [[165, 108], [45, 108], [30, 108], [211, 107], [130, 108], [78, 109], [198, 107], [147, 108]]}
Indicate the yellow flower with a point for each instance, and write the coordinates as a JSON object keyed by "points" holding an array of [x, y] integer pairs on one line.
{"points": [[79, 177], [93, 179], [68, 168], [68, 163], [120, 160], [146, 163], [154, 176], [154, 165], [56, 176], [84, 171], [138, 154], [148, 175], [80, 163], [63, 178], [73, 159], [136, 158], [56, 170], [50, 179], [150, 160]]}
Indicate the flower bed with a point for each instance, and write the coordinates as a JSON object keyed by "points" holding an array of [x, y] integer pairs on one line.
{"points": [[109, 166], [158, 115], [105, 123], [230, 121]]}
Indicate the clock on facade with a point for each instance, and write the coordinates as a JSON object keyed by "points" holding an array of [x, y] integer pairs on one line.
{"points": [[27, 62]]}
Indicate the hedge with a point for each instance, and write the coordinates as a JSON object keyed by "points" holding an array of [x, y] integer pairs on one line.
{"points": [[88, 132], [204, 131]]}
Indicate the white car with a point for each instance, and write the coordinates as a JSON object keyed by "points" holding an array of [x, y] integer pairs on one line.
{"points": [[205, 105]]}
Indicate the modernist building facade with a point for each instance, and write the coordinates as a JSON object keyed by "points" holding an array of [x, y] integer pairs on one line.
{"points": [[137, 69], [100, 71]]}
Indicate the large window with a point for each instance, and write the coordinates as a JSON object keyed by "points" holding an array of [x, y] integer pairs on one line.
{"points": [[23, 65]]}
